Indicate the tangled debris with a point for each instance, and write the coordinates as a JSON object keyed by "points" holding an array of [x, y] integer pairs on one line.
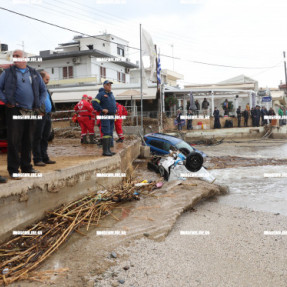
{"points": [[22, 254]]}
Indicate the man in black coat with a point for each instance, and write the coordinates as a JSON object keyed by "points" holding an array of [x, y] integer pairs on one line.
{"points": [[189, 120], [43, 129], [257, 116], [245, 115], [216, 115], [238, 112]]}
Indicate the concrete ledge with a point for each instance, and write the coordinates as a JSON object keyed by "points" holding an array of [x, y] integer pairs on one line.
{"points": [[279, 132], [225, 133], [26, 201]]}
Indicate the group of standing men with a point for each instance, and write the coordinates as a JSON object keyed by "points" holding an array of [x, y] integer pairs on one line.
{"points": [[108, 113], [28, 116], [256, 114]]}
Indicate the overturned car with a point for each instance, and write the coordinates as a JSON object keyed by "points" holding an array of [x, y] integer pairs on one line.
{"points": [[177, 155]]}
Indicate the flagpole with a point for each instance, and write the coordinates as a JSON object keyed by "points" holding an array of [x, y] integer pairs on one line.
{"points": [[141, 78]]}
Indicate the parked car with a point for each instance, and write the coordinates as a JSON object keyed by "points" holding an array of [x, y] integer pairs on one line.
{"points": [[161, 144]]}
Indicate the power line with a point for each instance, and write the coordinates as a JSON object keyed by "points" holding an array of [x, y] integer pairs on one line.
{"points": [[228, 66], [138, 49], [64, 28]]}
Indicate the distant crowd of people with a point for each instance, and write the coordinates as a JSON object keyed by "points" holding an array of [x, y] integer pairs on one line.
{"points": [[257, 115]]}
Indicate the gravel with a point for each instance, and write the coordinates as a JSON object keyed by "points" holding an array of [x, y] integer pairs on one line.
{"points": [[235, 253]]}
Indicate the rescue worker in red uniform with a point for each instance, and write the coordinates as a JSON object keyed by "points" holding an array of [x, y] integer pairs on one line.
{"points": [[84, 110], [93, 120], [121, 111]]}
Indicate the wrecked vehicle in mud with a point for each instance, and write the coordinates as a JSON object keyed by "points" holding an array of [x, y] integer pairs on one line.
{"points": [[175, 154], [161, 144]]}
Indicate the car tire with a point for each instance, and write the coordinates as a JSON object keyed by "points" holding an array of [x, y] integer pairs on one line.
{"points": [[163, 173], [194, 162], [152, 167]]}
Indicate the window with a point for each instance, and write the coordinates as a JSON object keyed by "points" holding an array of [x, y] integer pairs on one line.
{"points": [[121, 51], [102, 72], [68, 72], [121, 77], [166, 146], [157, 144], [52, 70]]}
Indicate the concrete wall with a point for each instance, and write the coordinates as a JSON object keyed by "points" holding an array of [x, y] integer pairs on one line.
{"points": [[225, 133], [26, 201]]}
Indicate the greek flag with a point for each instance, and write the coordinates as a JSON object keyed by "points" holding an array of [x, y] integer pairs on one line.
{"points": [[158, 70]]}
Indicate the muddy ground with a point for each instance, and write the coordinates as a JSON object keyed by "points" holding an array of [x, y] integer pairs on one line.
{"points": [[87, 257]]}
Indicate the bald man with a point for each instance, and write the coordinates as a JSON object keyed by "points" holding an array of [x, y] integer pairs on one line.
{"points": [[43, 129], [23, 92]]}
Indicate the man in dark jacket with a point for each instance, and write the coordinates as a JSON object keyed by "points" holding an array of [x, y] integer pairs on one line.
{"points": [[238, 112], [217, 124], [189, 119], [245, 116], [197, 107], [23, 92], [105, 103], [43, 129], [253, 116], [263, 113], [204, 106], [257, 116]]}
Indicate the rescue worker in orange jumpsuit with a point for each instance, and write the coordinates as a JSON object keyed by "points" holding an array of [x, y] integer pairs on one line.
{"points": [[84, 110], [93, 120], [121, 111]]}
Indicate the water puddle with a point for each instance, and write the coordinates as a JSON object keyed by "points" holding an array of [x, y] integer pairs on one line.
{"points": [[250, 189]]}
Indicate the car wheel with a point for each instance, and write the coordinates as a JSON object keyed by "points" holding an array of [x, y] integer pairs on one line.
{"points": [[194, 162], [152, 167], [163, 173]]}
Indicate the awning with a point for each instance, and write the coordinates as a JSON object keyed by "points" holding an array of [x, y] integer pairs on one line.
{"points": [[120, 94]]}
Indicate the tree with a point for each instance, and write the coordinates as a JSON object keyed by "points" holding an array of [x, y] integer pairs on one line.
{"points": [[170, 101]]}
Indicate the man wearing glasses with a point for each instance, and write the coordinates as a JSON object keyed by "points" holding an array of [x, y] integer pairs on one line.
{"points": [[23, 92]]}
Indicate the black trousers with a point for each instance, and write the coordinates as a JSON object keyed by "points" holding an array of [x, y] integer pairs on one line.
{"points": [[239, 121], [20, 135], [40, 140], [189, 124], [245, 122]]}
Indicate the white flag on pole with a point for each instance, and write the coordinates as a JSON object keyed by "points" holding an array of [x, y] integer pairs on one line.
{"points": [[148, 49]]}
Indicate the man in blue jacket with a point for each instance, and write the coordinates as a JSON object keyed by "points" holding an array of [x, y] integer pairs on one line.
{"points": [[105, 103], [23, 92]]}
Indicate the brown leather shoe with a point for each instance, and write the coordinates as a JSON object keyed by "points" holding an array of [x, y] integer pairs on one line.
{"points": [[39, 163], [49, 162]]}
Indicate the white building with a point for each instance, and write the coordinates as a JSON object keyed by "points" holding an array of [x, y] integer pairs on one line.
{"points": [[87, 60]]}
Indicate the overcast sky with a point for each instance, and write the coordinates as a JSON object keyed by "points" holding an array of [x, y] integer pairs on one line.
{"points": [[238, 33]]}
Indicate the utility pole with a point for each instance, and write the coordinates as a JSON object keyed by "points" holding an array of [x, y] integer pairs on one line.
{"points": [[285, 72], [172, 57], [141, 77]]}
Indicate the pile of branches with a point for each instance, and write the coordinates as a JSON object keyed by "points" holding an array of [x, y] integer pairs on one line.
{"points": [[22, 254]]}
